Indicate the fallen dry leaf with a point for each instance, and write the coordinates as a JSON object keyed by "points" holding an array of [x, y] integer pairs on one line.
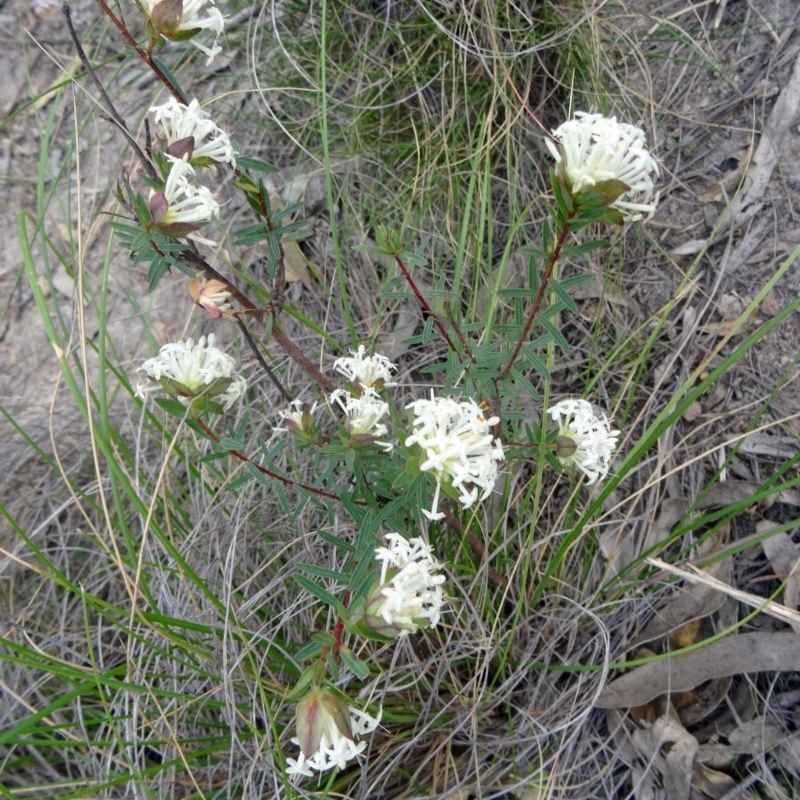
{"points": [[598, 287], [733, 655], [769, 444], [670, 750], [690, 602], [728, 493], [722, 189], [756, 735], [714, 784], [297, 266], [670, 513], [778, 547]]}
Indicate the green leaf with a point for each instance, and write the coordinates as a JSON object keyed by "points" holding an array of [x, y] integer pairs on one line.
{"points": [[564, 296], [311, 650], [170, 75], [324, 572], [316, 590], [325, 638], [357, 667], [172, 407], [555, 333], [255, 164], [334, 541]]}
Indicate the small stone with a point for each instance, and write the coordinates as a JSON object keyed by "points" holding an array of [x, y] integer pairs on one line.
{"points": [[730, 306], [693, 412], [770, 306]]}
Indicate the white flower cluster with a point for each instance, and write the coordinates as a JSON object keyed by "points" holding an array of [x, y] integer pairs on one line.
{"points": [[188, 370], [336, 747], [190, 131], [363, 408], [196, 16], [184, 205], [591, 149], [373, 371], [364, 413], [408, 594], [585, 440], [458, 448], [296, 417]]}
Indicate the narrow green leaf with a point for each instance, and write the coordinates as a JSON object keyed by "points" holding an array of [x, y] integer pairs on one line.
{"points": [[323, 572], [357, 667], [316, 590], [255, 164]]}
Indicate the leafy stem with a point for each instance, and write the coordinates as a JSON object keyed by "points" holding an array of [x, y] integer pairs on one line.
{"points": [[566, 227], [145, 54], [428, 311], [262, 469]]}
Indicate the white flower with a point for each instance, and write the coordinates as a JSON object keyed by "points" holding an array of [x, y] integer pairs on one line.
{"points": [[591, 149], [408, 595], [190, 131], [458, 448], [187, 370], [293, 415], [373, 371], [299, 421], [323, 726], [165, 22], [184, 205], [364, 413], [584, 440]]}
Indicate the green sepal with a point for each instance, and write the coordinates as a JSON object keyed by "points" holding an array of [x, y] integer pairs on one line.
{"points": [[364, 630], [612, 189], [307, 678], [389, 242], [205, 405], [563, 197]]}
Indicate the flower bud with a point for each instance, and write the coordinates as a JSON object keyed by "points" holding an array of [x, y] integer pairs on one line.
{"points": [[211, 295], [181, 20], [321, 715], [327, 729]]}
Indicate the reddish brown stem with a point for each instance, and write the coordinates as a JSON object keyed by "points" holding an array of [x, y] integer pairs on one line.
{"points": [[426, 309], [145, 55], [263, 470], [337, 633], [283, 341], [291, 350], [261, 360], [537, 303]]}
